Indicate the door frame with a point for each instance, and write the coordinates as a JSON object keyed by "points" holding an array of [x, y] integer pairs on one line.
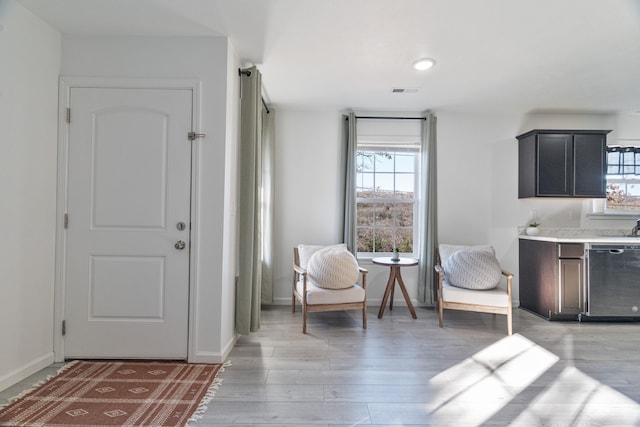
{"points": [[65, 86]]}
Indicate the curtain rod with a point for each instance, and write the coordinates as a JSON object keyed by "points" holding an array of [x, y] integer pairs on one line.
{"points": [[391, 118]]}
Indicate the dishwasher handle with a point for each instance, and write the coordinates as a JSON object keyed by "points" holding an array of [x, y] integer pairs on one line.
{"points": [[616, 251]]}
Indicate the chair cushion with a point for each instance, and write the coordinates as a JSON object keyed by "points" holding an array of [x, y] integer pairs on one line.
{"points": [[333, 268], [473, 269], [316, 295], [306, 251], [496, 297], [446, 250]]}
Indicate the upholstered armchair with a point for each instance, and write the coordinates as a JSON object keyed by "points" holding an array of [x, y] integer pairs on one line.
{"points": [[470, 278], [325, 279]]}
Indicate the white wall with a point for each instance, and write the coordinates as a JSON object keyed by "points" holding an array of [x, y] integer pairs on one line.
{"points": [[230, 228], [204, 59], [477, 186], [29, 68], [307, 188], [478, 183], [308, 193]]}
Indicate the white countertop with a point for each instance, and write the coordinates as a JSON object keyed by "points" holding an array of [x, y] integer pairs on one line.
{"points": [[581, 235]]}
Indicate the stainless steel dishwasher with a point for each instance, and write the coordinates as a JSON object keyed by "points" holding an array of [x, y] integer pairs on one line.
{"points": [[613, 281]]}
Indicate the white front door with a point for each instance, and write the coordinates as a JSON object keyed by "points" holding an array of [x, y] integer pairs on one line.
{"points": [[127, 251]]}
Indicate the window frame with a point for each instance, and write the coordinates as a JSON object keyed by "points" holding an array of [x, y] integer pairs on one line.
{"points": [[622, 178], [395, 146]]}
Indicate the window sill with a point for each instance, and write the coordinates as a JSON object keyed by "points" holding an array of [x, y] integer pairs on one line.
{"points": [[613, 215], [367, 259]]}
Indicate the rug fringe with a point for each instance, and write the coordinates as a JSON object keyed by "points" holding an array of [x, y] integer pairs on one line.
{"points": [[37, 384], [208, 397]]}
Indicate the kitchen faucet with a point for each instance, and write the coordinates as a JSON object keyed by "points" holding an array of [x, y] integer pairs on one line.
{"points": [[634, 230]]}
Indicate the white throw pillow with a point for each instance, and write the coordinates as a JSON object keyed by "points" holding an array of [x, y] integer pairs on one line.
{"points": [[473, 269], [447, 250], [333, 268], [305, 252]]}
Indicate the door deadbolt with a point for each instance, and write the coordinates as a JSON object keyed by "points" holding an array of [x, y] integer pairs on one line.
{"points": [[181, 226], [180, 245]]}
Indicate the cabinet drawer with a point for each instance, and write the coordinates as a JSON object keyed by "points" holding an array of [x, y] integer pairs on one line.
{"points": [[570, 250]]}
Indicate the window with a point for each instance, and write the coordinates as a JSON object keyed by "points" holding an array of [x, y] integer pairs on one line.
{"points": [[386, 204], [623, 178]]}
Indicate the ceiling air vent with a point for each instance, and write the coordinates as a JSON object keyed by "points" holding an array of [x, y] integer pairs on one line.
{"points": [[405, 90]]}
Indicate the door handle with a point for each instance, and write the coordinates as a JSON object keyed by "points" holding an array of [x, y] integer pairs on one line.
{"points": [[180, 245]]}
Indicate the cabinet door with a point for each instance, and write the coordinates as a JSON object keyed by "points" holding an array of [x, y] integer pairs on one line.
{"points": [[527, 160], [570, 292], [555, 165], [538, 276], [589, 165]]}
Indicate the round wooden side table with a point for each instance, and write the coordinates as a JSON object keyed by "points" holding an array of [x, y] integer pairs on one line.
{"points": [[395, 276]]}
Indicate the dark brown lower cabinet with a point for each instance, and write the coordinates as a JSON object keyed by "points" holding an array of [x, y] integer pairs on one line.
{"points": [[571, 287], [552, 278]]}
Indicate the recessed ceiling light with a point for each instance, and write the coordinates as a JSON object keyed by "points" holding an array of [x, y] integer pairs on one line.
{"points": [[423, 64]]}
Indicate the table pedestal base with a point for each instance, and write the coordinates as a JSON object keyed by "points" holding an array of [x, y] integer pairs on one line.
{"points": [[394, 277]]}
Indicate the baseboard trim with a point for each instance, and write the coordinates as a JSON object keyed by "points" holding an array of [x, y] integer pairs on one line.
{"points": [[215, 357], [25, 371]]}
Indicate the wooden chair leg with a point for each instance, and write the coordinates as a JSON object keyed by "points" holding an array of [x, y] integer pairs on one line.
{"points": [[440, 313], [509, 322], [293, 303], [304, 319], [364, 317]]}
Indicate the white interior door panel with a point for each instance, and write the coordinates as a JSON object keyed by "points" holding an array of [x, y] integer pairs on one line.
{"points": [[127, 260]]}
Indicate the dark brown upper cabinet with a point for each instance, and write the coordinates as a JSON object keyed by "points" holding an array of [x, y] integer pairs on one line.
{"points": [[562, 163]]}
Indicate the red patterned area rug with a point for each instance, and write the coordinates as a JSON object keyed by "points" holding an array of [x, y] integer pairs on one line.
{"points": [[116, 393]]}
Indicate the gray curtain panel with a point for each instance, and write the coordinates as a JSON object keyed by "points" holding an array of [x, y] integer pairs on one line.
{"points": [[350, 142], [249, 293], [268, 185], [428, 215]]}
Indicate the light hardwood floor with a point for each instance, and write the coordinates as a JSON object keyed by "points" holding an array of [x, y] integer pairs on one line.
{"points": [[402, 371]]}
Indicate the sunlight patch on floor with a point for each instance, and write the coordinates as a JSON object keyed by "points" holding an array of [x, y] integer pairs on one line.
{"points": [[477, 390], [473, 391], [583, 401]]}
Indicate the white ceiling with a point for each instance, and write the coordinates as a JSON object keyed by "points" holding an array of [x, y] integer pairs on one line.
{"points": [[492, 55]]}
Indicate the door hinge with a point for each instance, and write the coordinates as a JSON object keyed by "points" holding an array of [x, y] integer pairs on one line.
{"points": [[68, 115], [66, 220], [192, 135], [64, 327]]}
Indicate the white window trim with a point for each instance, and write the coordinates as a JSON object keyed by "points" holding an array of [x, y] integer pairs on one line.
{"points": [[614, 215], [611, 214], [401, 148]]}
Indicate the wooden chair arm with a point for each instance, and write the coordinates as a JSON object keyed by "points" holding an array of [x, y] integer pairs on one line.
{"points": [[364, 272], [297, 272], [509, 277], [440, 271]]}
